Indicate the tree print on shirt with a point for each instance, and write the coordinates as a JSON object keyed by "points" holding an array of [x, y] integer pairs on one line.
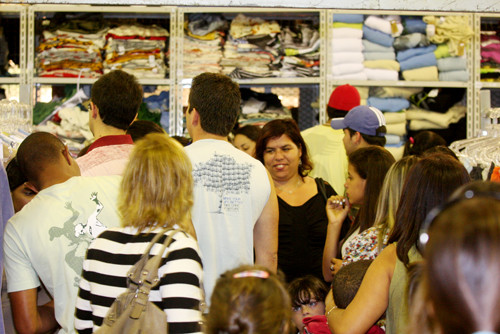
{"points": [[223, 175]]}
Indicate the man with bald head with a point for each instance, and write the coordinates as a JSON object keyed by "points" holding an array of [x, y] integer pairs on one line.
{"points": [[47, 240]]}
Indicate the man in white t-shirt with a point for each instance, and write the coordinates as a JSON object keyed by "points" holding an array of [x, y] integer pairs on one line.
{"points": [[47, 240], [235, 206]]}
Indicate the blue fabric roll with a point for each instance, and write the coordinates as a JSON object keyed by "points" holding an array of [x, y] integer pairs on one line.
{"points": [[414, 25], [425, 60], [348, 18], [391, 104], [376, 36], [407, 54]]}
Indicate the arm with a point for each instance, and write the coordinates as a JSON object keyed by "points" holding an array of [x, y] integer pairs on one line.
{"points": [[336, 214], [28, 317], [370, 301], [83, 310], [265, 232]]}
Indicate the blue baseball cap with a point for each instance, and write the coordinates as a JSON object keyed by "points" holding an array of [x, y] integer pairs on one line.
{"points": [[363, 119]]}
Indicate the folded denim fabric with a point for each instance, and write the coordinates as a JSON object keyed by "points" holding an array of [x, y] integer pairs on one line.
{"points": [[374, 47], [383, 25], [385, 64], [391, 139], [425, 60], [407, 54], [411, 41], [429, 73], [346, 44], [388, 104], [346, 33], [348, 18], [452, 64], [347, 57], [414, 25], [376, 36], [442, 51], [379, 55], [381, 75], [454, 76]]}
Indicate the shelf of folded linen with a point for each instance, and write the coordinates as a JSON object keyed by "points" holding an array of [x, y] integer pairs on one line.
{"points": [[379, 33], [140, 50], [346, 47], [202, 44], [71, 49]]}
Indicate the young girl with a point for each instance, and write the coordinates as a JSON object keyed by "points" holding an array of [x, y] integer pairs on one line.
{"points": [[308, 305]]}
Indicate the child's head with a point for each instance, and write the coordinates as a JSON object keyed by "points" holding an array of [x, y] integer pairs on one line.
{"points": [[250, 300], [347, 281], [308, 298]]}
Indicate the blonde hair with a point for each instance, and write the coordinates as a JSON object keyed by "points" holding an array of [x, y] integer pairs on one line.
{"points": [[243, 303], [157, 186], [390, 194]]}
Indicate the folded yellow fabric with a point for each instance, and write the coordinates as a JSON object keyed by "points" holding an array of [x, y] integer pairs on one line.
{"points": [[385, 64], [429, 73]]}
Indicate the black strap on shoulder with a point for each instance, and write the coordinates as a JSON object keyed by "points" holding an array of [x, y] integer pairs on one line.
{"points": [[321, 187]]}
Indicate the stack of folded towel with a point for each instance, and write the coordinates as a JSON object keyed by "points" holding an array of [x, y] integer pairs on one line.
{"points": [[347, 48], [378, 38], [415, 53]]}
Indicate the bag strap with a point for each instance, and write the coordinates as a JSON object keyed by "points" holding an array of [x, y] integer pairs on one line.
{"points": [[143, 276], [321, 187]]}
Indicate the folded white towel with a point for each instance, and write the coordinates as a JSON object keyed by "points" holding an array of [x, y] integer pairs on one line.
{"points": [[347, 33], [352, 76], [346, 44], [380, 74], [342, 69], [347, 57], [384, 25]]}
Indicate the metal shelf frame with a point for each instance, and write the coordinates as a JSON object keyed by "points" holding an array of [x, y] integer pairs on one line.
{"points": [[21, 12]]}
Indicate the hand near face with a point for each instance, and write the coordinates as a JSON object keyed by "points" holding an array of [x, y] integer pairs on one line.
{"points": [[337, 208]]}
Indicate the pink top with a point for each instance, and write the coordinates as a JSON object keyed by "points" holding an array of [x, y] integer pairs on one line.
{"points": [[108, 155]]}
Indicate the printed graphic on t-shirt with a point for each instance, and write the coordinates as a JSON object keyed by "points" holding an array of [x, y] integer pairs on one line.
{"points": [[225, 177], [80, 232]]}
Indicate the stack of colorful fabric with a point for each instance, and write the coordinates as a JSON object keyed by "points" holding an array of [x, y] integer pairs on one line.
{"points": [[378, 35], [251, 48], [138, 50], [202, 45], [300, 45], [415, 52], [347, 47], [73, 49], [490, 55]]}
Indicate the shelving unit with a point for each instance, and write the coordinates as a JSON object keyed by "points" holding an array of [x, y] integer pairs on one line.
{"points": [[278, 14], [162, 15], [479, 85], [16, 15], [175, 18], [472, 123]]}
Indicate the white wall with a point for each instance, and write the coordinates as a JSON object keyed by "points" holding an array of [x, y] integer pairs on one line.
{"points": [[435, 5]]}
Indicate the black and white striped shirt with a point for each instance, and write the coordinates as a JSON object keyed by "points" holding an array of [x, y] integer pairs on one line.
{"points": [[104, 277]]}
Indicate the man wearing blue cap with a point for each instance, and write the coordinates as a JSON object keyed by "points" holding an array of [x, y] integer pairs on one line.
{"points": [[363, 126]]}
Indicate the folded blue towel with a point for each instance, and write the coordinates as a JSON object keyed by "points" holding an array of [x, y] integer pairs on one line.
{"points": [[391, 104], [374, 47], [406, 54], [425, 60], [348, 18], [376, 36], [452, 64], [414, 25]]}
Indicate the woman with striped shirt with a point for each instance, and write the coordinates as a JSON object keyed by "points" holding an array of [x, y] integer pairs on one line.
{"points": [[156, 192]]}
